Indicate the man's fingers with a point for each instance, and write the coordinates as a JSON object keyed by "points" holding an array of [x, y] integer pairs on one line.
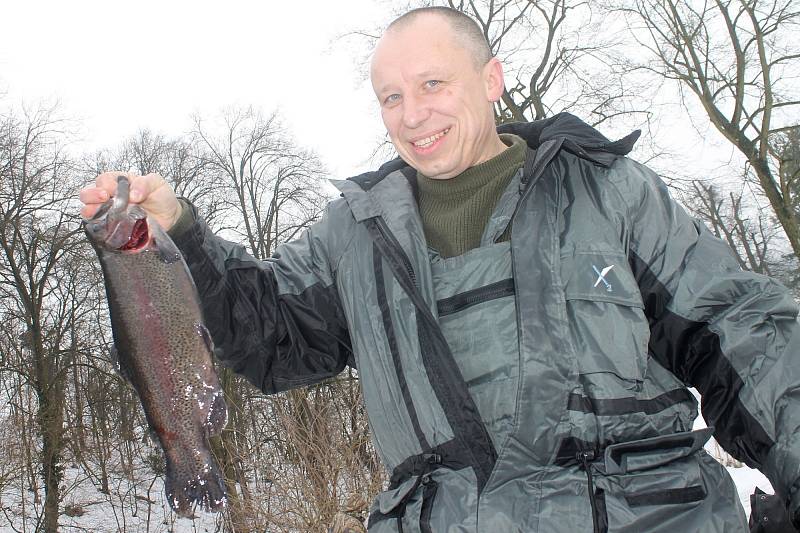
{"points": [[140, 186], [143, 186], [93, 195], [108, 181], [88, 211]]}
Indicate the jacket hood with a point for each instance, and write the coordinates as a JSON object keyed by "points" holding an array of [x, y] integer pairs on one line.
{"points": [[580, 138]]}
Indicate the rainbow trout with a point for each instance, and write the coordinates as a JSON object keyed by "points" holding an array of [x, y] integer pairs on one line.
{"points": [[162, 347]]}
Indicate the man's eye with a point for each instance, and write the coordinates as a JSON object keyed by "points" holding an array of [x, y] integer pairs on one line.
{"points": [[430, 84], [391, 99]]}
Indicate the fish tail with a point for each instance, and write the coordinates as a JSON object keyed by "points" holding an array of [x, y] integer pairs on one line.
{"points": [[188, 488]]}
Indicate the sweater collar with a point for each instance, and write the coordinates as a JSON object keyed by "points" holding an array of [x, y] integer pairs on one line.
{"points": [[496, 169]]}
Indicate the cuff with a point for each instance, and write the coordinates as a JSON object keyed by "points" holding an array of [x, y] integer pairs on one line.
{"points": [[185, 220]]}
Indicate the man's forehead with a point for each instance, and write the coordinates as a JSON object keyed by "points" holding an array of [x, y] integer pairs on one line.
{"points": [[421, 50]]}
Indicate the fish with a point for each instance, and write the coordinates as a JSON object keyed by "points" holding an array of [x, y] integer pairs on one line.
{"points": [[162, 347]]}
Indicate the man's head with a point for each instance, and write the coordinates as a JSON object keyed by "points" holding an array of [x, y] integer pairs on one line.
{"points": [[436, 80]]}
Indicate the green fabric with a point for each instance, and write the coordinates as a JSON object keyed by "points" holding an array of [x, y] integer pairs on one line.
{"points": [[184, 222], [455, 211]]}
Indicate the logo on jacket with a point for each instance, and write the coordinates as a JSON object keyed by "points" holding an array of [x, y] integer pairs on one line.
{"points": [[601, 276]]}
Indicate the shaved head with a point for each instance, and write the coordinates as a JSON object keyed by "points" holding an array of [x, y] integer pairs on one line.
{"points": [[465, 30]]}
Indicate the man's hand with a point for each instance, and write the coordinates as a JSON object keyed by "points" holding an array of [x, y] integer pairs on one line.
{"points": [[151, 192]]}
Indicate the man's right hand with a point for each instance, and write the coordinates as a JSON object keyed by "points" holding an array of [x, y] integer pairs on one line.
{"points": [[151, 192]]}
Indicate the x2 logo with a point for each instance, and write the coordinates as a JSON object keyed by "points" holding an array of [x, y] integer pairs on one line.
{"points": [[601, 276]]}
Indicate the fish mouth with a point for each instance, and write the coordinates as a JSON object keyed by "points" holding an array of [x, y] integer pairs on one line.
{"points": [[140, 236]]}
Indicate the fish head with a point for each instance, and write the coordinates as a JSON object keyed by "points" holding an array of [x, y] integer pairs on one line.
{"points": [[118, 225]]}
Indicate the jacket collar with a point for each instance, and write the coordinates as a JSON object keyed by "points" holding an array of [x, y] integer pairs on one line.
{"points": [[577, 137]]}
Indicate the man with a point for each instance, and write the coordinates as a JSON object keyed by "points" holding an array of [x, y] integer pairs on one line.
{"points": [[525, 310]]}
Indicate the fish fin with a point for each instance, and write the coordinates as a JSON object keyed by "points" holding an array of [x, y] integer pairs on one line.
{"points": [[203, 331], [217, 417], [121, 369], [188, 487], [166, 249]]}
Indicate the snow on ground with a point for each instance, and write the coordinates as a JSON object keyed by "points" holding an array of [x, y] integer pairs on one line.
{"points": [[140, 507], [130, 507], [747, 480]]}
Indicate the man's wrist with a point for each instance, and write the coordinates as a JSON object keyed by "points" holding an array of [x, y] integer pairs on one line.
{"points": [[184, 221]]}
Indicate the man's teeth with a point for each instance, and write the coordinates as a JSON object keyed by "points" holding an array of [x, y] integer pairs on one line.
{"points": [[424, 143]]}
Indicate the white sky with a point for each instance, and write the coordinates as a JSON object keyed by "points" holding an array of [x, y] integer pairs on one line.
{"points": [[118, 67]]}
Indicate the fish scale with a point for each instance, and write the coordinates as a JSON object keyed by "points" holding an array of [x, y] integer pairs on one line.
{"points": [[162, 348]]}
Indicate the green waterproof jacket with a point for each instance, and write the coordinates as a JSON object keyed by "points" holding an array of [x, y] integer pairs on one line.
{"points": [[616, 300]]}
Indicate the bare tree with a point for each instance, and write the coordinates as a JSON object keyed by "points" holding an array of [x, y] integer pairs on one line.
{"points": [[37, 282], [272, 188], [557, 55], [748, 234], [308, 438], [740, 60], [180, 160]]}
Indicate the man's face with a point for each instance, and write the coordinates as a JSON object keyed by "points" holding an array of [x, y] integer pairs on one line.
{"points": [[436, 103]]}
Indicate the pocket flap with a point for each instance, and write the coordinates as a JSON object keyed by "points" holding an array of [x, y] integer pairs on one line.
{"points": [[656, 451], [391, 499], [600, 276]]}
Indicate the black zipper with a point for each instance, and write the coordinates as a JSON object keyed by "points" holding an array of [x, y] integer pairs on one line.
{"points": [[429, 491], [584, 457], [398, 249], [459, 302], [443, 373]]}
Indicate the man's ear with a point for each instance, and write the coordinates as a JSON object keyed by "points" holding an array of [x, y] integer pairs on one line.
{"points": [[493, 76]]}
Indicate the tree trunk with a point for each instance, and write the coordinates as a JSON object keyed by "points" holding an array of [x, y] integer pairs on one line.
{"points": [[50, 420]]}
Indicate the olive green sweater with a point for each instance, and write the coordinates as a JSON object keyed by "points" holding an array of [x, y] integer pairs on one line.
{"points": [[455, 211]]}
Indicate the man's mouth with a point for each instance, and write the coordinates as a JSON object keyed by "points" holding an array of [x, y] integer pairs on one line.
{"points": [[428, 142]]}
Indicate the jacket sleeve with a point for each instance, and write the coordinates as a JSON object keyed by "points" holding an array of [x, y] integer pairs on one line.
{"points": [[279, 322], [730, 333]]}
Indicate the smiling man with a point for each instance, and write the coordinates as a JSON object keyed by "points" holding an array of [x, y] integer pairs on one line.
{"points": [[526, 309]]}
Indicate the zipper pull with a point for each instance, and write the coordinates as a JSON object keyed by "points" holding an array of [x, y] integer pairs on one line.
{"points": [[585, 457]]}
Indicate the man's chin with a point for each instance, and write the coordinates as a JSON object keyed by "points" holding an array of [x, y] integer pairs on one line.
{"points": [[435, 172]]}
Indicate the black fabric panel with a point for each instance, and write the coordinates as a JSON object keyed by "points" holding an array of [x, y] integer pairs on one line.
{"points": [[768, 514], [459, 302], [278, 341], [446, 455], [428, 497], [624, 406], [692, 352], [579, 138], [392, 340], [666, 442], [570, 447], [443, 373], [600, 511], [691, 494], [369, 179]]}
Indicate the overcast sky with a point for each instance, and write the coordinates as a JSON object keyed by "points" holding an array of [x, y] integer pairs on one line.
{"points": [[118, 67]]}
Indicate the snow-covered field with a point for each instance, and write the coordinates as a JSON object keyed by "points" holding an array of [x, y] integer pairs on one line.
{"points": [[139, 508]]}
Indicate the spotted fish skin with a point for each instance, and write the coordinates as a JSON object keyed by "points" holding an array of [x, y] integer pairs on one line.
{"points": [[163, 348]]}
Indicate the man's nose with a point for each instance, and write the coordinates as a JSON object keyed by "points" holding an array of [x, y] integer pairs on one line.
{"points": [[415, 111]]}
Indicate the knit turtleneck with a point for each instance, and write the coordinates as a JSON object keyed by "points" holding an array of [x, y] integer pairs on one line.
{"points": [[455, 211]]}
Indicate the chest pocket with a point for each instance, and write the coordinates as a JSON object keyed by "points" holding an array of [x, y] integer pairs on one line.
{"points": [[609, 330]]}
